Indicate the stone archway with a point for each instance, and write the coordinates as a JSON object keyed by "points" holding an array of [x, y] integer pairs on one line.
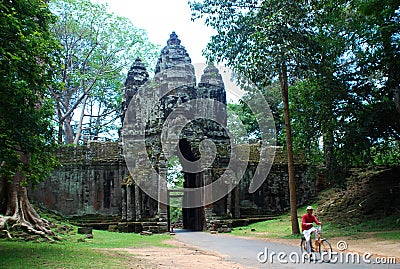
{"points": [[191, 113], [192, 218]]}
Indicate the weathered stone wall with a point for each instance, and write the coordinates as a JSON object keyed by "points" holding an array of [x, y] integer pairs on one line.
{"points": [[88, 181], [273, 196]]}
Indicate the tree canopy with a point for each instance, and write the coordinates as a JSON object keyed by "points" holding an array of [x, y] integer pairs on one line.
{"points": [[97, 49], [26, 58], [337, 66], [26, 134], [342, 59]]}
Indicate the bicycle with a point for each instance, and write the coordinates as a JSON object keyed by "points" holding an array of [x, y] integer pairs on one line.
{"points": [[321, 246]]}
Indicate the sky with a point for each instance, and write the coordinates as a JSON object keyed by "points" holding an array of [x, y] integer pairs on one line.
{"points": [[160, 17]]}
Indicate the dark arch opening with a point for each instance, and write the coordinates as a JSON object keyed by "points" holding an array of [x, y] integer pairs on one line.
{"points": [[192, 218]]}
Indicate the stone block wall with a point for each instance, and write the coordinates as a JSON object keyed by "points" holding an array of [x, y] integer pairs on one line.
{"points": [[273, 195], [88, 181]]}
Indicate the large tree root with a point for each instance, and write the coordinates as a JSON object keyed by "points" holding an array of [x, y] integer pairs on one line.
{"points": [[20, 214], [35, 225]]}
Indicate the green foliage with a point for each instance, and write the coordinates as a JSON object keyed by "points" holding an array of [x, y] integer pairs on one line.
{"points": [[246, 118], [386, 153], [256, 37], [272, 95], [342, 61], [98, 49], [176, 213], [175, 180], [348, 103], [175, 175], [26, 46]]}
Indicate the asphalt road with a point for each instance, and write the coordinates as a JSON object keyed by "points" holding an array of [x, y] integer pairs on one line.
{"points": [[251, 253]]}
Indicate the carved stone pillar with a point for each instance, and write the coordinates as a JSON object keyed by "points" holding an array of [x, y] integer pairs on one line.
{"points": [[229, 205], [123, 203], [207, 195], [237, 202], [162, 190], [138, 212], [129, 211]]}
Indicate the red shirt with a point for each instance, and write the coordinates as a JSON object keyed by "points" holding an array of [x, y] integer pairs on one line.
{"points": [[308, 218]]}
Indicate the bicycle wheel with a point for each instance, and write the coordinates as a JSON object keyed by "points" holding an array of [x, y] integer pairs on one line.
{"points": [[325, 250]]}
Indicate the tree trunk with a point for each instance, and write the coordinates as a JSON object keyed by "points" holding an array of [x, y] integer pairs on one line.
{"points": [[17, 210], [292, 184], [333, 169], [69, 136], [60, 125], [79, 131]]}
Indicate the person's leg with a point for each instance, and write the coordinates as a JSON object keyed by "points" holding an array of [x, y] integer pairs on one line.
{"points": [[307, 236], [316, 234]]}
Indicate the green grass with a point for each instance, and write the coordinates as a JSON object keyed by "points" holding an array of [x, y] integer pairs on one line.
{"points": [[73, 254], [104, 239], [279, 227], [390, 235]]}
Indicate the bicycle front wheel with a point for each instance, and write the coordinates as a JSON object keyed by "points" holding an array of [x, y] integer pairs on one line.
{"points": [[325, 250]]}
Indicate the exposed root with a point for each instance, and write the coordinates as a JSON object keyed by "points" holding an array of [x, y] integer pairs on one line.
{"points": [[11, 224], [7, 234], [22, 216], [18, 212]]}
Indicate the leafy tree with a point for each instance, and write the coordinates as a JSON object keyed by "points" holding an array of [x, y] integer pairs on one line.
{"points": [[97, 49], [175, 180], [246, 116], [377, 27], [175, 176], [26, 49], [266, 41], [349, 102]]}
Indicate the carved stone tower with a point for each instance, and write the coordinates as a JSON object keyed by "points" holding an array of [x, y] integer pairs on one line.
{"points": [[194, 116]]}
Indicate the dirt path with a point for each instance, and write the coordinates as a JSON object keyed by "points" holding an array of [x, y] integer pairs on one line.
{"points": [[180, 256]]}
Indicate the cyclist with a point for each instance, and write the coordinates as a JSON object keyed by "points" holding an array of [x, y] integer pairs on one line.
{"points": [[307, 223]]}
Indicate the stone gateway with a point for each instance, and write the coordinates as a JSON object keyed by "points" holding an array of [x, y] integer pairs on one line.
{"points": [[111, 179]]}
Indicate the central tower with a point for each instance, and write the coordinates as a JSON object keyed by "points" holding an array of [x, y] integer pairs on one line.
{"points": [[187, 120]]}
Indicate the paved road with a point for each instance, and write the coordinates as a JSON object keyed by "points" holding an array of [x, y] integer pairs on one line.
{"points": [[248, 252]]}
